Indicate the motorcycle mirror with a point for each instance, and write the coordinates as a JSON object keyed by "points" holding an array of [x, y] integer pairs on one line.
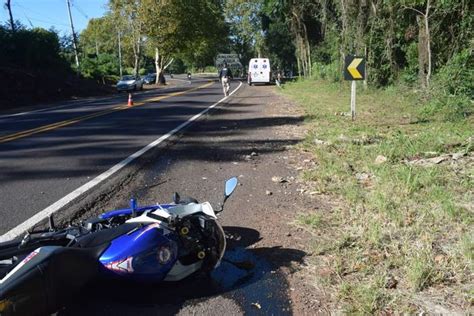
{"points": [[230, 186]]}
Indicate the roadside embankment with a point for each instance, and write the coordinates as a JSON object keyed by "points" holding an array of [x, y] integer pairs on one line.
{"points": [[400, 238]]}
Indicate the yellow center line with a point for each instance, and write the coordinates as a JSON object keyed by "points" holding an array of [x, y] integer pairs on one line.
{"points": [[53, 126]]}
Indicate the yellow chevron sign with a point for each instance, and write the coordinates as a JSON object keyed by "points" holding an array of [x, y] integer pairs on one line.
{"points": [[354, 68]]}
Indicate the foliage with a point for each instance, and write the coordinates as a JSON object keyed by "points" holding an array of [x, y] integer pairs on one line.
{"points": [[453, 89], [30, 48]]}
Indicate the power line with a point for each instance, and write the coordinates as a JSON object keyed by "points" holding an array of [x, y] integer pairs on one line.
{"points": [[46, 20], [78, 9]]}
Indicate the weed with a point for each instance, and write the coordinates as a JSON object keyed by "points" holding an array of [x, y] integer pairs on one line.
{"points": [[313, 220], [363, 298], [420, 270]]}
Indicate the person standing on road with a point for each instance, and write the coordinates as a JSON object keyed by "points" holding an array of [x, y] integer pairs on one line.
{"points": [[224, 77]]}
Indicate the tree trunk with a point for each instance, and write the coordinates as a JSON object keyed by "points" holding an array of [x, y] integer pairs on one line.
{"points": [[422, 51], [9, 8], [428, 43], [137, 53], [157, 66], [308, 49]]}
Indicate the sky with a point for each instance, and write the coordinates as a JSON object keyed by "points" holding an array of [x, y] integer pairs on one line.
{"points": [[53, 13]]}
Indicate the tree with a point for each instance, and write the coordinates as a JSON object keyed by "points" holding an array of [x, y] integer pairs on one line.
{"points": [[9, 8], [245, 19], [424, 44], [129, 18], [181, 28]]}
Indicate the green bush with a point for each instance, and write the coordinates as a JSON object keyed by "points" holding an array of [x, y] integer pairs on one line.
{"points": [[452, 89], [329, 72], [30, 48]]}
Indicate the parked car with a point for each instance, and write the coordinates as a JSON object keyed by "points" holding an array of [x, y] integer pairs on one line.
{"points": [[149, 79], [128, 83]]}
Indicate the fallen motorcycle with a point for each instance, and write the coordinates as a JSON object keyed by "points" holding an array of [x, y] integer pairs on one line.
{"points": [[43, 270]]}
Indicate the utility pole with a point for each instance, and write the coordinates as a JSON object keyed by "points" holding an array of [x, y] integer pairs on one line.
{"points": [[74, 38], [120, 53]]}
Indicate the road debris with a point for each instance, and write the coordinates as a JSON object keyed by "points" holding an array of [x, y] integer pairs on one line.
{"points": [[256, 305], [279, 179]]}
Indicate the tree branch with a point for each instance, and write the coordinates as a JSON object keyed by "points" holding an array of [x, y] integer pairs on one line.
{"points": [[417, 11]]}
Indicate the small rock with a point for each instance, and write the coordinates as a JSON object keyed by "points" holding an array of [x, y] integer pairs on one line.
{"points": [[362, 176], [248, 157], [257, 305], [344, 139], [288, 235], [439, 258], [204, 178], [276, 179], [253, 154], [320, 142], [458, 155], [380, 159], [267, 192]]}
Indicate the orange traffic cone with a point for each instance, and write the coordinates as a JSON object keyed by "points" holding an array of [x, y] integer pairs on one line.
{"points": [[130, 100]]}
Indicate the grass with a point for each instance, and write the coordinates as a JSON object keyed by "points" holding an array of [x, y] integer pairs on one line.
{"points": [[411, 223]]}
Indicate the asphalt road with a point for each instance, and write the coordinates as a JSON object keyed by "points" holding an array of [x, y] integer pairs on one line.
{"points": [[46, 154]]}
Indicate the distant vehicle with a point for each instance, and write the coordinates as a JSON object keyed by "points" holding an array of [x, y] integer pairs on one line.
{"points": [[233, 63], [259, 71], [128, 83], [149, 79]]}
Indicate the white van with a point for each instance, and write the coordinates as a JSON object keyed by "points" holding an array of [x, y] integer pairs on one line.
{"points": [[259, 71]]}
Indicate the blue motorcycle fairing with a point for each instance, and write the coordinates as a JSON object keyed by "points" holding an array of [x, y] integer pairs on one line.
{"points": [[128, 211], [144, 255]]}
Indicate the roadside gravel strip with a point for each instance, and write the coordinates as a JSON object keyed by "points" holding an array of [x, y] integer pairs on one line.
{"points": [[15, 232], [264, 269]]}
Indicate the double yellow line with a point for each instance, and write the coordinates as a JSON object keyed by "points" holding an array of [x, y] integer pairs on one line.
{"points": [[53, 126]]}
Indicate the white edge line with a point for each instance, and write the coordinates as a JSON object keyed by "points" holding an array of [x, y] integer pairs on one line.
{"points": [[38, 217]]}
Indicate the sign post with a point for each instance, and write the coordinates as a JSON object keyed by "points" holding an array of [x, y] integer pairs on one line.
{"points": [[354, 69], [353, 99]]}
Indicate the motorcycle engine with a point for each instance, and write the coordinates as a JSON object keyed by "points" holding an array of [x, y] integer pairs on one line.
{"points": [[201, 238]]}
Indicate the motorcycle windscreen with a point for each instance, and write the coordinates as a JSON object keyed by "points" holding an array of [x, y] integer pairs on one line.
{"points": [[46, 279]]}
